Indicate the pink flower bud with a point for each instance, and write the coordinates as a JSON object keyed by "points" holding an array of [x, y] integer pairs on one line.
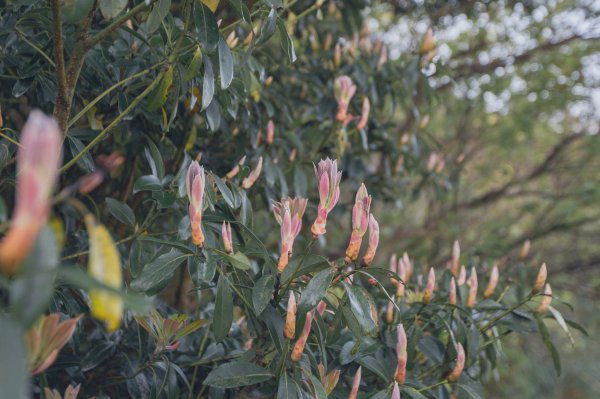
{"points": [[525, 249], [329, 192], [195, 183], [401, 271], [409, 267], [251, 178], [395, 391], [38, 160], [393, 268], [455, 258], [373, 241], [355, 384], [462, 276], [288, 214], [540, 280], [321, 307], [492, 283], [236, 169], [460, 364], [344, 90], [298, 349], [472, 297], [227, 238], [270, 132], [364, 117], [452, 295], [546, 300], [290, 321], [360, 220], [428, 293], [401, 355]]}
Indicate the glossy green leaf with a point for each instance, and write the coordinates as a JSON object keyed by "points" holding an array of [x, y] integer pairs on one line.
{"points": [[225, 64], [286, 41], [268, 27], [263, 292], [111, 8], [157, 273], [208, 84], [238, 374], [121, 211], [223, 314], [206, 26], [147, 183], [315, 290]]}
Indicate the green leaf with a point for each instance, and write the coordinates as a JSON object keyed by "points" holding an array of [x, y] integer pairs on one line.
{"points": [[412, 393], [549, 345], [225, 64], [286, 41], [315, 290], [223, 314], [262, 293], [202, 270], [98, 353], [73, 11], [155, 160], [159, 94], [14, 378], [238, 374], [237, 260], [360, 303], [562, 323], [471, 393], [112, 8], [168, 243], [147, 183], [121, 211], [194, 68], [157, 273], [287, 388], [268, 27], [242, 10], [208, 84], [206, 26], [319, 391], [86, 163], [225, 191]]}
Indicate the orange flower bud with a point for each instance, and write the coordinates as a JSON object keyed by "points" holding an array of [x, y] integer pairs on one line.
{"points": [[452, 296], [401, 271], [195, 183], [236, 169], [389, 312], [301, 342], [383, 57], [355, 384], [546, 300], [321, 307], [38, 160], [409, 267], [290, 321], [428, 293], [540, 280], [364, 117], [293, 154], [227, 238], [251, 178], [525, 249], [393, 268], [360, 220], [429, 43], [472, 297], [401, 355], [460, 364], [489, 290], [270, 132], [373, 241], [337, 56], [462, 276], [455, 258]]}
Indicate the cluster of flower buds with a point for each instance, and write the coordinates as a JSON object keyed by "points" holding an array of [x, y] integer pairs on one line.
{"points": [[328, 178], [298, 349], [288, 214], [194, 185], [360, 221], [38, 161], [344, 89], [460, 364], [70, 393], [253, 176], [45, 339], [167, 333], [227, 237], [401, 355]]}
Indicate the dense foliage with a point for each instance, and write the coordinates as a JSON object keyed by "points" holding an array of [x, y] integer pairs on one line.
{"points": [[197, 240]]}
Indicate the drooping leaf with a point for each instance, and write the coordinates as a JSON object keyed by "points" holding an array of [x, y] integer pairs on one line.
{"points": [[157, 273], [121, 211], [315, 290], [223, 315], [237, 374], [262, 292], [225, 64]]}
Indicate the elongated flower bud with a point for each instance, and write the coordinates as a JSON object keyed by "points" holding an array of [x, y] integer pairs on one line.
{"points": [[337, 55], [540, 280], [355, 384], [298, 349], [452, 295], [236, 169], [472, 297], [546, 300], [455, 258], [227, 238], [360, 220], [393, 268], [401, 355], [105, 267], [38, 160], [328, 178], [409, 266], [460, 364], [389, 312], [288, 214], [253, 176], [395, 391], [428, 293], [195, 183], [401, 271], [321, 307], [428, 44], [462, 276], [373, 241], [364, 116], [383, 57], [270, 132], [344, 90], [492, 283], [290, 321], [525, 249]]}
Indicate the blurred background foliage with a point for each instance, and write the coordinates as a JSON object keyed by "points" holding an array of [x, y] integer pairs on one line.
{"points": [[490, 137]]}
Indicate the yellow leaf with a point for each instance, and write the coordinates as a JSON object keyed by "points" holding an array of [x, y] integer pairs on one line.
{"points": [[211, 4], [105, 267]]}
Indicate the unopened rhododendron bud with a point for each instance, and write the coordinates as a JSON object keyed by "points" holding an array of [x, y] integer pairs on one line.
{"points": [[356, 384], [455, 258], [298, 349], [270, 132], [290, 319], [251, 178], [337, 55], [389, 312], [344, 90], [460, 364], [194, 185], [401, 271], [546, 300], [462, 276], [227, 238], [409, 266], [236, 169], [364, 116], [492, 283], [525, 249], [288, 214], [395, 391], [393, 268], [428, 44], [373, 241], [328, 178], [401, 355], [360, 221], [38, 159], [452, 294], [540, 279], [472, 296], [428, 293]]}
